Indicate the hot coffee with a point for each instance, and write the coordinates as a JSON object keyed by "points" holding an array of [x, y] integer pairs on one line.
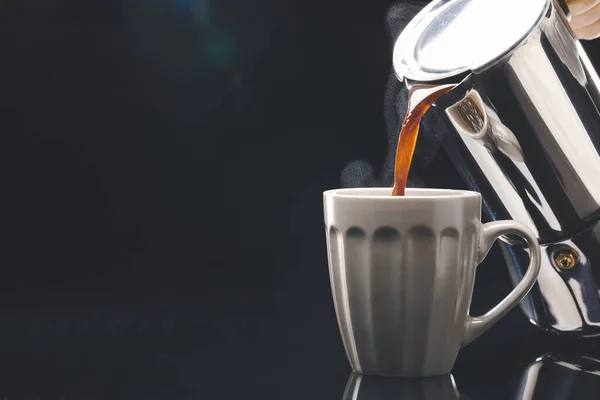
{"points": [[420, 99]]}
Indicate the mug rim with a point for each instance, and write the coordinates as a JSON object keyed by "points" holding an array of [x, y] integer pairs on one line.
{"points": [[385, 193]]}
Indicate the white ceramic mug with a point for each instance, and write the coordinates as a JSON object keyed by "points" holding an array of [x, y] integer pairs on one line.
{"points": [[402, 272]]}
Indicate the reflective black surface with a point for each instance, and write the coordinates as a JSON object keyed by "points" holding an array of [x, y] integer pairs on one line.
{"points": [[181, 351], [161, 200], [560, 376]]}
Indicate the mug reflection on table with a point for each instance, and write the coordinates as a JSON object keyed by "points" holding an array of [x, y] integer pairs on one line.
{"points": [[361, 387]]}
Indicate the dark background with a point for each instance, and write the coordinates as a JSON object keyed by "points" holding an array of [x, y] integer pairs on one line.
{"points": [[162, 164], [167, 145]]}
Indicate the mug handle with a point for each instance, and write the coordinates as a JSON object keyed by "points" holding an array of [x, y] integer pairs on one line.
{"points": [[490, 232]]}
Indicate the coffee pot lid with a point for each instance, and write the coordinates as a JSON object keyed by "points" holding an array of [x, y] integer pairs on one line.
{"points": [[449, 37]]}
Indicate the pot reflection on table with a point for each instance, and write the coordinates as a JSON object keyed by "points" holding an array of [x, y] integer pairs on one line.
{"points": [[560, 377], [363, 387]]}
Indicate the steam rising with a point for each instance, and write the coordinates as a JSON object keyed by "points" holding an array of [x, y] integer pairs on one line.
{"points": [[362, 174], [358, 174]]}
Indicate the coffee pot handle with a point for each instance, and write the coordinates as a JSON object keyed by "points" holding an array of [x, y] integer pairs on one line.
{"points": [[490, 232], [562, 4]]}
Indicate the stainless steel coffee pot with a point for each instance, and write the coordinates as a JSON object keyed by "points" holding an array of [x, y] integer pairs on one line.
{"points": [[524, 131]]}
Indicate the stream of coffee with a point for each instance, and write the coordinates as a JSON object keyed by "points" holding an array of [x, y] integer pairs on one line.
{"points": [[420, 99]]}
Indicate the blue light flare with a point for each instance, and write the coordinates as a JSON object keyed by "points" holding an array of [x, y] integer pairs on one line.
{"points": [[201, 11], [219, 46], [220, 49]]}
